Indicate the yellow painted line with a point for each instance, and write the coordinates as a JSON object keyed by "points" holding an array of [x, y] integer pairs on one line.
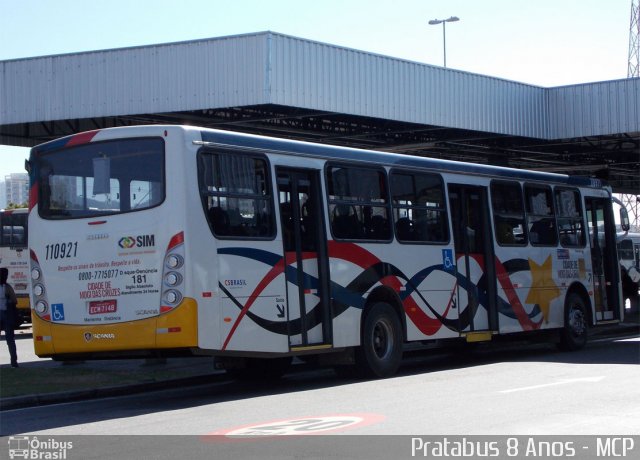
{"points": [[312, 347], [478, 336]]}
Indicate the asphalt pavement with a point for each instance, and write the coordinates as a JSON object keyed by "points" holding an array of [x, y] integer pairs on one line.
{"points": [[195, 370]]}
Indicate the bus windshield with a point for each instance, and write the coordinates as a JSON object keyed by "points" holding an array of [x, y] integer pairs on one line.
{"points": [[13, 229], [103, 178]]}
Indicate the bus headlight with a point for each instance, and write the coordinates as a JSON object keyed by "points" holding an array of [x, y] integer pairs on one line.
{"points": [[36, 274], [38, 290], [41, 307]]}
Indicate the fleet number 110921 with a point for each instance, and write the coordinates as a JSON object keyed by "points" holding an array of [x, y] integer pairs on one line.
{"points": [[61, 250]]}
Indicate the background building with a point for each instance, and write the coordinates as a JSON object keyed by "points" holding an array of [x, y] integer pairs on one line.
{"points": [[14, 189]]}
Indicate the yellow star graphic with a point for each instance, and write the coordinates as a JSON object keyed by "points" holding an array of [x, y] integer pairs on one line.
{"points": [[543, 288]]}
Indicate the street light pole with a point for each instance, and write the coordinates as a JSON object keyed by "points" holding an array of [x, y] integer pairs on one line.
{"points": [[434, 22], [444, 42]]}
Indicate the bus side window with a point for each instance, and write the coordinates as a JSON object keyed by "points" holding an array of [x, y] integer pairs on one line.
{"points": [[358, 203], [404, 229], [540, 215], [236, 194], [345, 222], [504, 232], [219, 220], [379, 229], [508, 213], [570, 222], [542, 232], [418, 207]]}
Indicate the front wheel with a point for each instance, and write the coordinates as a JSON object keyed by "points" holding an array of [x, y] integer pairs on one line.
{"points": [[380, 351], [573, 335]]}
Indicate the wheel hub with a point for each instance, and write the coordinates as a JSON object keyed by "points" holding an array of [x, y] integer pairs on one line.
{"points": [[576, 321], [382, 339]]}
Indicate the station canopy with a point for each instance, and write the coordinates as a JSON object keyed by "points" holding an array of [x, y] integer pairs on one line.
{"points": [[277, 85]]}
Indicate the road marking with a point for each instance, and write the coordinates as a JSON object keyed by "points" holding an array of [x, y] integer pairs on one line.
{"points": [[622, 338], [300, 426], [560, 382]]}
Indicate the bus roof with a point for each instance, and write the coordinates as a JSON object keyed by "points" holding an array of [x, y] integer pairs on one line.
{"points": [[301, 148], [265, 144]]}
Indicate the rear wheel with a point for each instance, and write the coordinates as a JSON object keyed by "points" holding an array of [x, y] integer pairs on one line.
{"points": [[380, 351], [573, 335]]}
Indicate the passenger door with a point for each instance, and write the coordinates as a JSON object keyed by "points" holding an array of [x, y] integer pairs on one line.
{"points": [[602, 233], [306, 261], [474, 256]]}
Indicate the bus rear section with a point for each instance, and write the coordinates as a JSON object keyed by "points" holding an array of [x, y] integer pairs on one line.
{"points": [[107, 265], [14, 256]]}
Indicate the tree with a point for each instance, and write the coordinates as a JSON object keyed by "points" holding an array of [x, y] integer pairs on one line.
{"points": [[16, 205]]}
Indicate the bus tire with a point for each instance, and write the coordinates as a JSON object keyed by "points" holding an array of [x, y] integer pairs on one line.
{"points": [[380, 352], [573, 336]]}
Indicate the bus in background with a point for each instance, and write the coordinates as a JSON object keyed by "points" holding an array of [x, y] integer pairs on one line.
{"points": [[173, 240], [14, 255], [629, 255]]}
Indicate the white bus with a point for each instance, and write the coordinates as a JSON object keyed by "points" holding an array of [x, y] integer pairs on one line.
{"points": [[629, 254], [174, 239], [15, 257]]}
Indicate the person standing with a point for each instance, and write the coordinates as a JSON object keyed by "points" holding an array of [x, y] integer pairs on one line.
{"points": [[8, 312]]}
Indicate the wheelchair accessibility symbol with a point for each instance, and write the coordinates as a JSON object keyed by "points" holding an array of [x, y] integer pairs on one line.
{"points": [[447, 260], [57, 312]]}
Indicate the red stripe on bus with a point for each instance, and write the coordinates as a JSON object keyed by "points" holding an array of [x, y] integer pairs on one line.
{"points": [[521, 315], [426, 324], [33, 196], [82, 138], [289, 258], [273, 273], [364, 259]]}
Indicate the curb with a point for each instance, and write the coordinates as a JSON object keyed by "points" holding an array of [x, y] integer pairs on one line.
{"points": [[615, 329], [20, 402]]}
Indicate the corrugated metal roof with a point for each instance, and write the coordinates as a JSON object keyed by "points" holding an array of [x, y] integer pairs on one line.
{"points": [[325, 77], [270, 68], [194, 75], [594, 109]]}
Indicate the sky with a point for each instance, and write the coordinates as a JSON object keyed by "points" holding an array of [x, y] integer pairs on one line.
{"points": [[540, 42]]}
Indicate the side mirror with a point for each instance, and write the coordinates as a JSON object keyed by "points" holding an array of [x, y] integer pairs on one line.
{"points": [[624, 219]]}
